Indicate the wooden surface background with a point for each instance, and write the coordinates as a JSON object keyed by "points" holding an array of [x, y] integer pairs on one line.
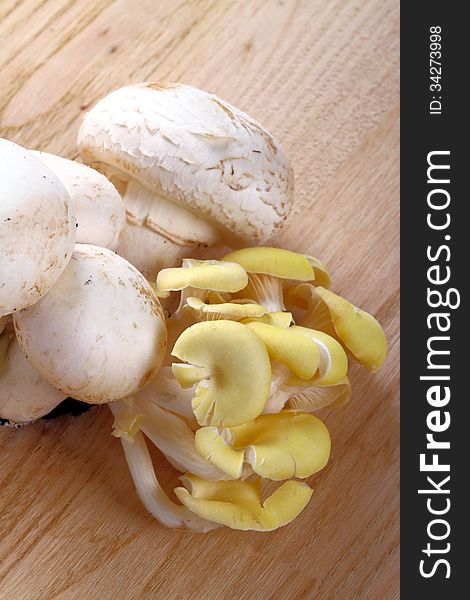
{"points": [[323, 77]]}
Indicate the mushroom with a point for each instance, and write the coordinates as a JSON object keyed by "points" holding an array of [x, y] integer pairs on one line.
{"points": [[99, 334], [231, 368], [24, 395], [193, 170], [202, 274], [277, 319], [277, 446], [250, 378], [239, 505], [37, 228], [98, 206], [270, 268], [356, 329]]}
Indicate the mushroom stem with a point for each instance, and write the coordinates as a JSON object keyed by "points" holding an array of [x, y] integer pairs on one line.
{"points": [[265, 290], [166, 392], [168, 432], [151, 493], [278, 393], [159, 232]]}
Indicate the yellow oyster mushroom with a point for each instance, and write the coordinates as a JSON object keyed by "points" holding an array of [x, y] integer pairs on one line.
{"points": [[215, 275], [300, 354], [234, 311], [284, 445], [267, 268], [333, 364], [359, 331], [277, 446], [239, 370], [356, 329], [238, 504], [273, 261]]}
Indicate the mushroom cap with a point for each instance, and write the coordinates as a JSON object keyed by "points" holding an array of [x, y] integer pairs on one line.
{"points": [[98, 206], [277, 446], [99, 335], [239, 504], [275, 262], [359, 331], [192, 148], [235, 374], [37, 228], [24, 395], [222, 276]]}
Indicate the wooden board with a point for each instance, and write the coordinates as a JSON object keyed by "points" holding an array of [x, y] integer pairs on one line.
{"points": [[323, 77]]}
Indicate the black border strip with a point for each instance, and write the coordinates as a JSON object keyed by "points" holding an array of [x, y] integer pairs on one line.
{"points": [[422, 133]]}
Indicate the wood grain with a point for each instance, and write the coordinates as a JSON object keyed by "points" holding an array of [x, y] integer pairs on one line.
{"points": [[323, 77]]}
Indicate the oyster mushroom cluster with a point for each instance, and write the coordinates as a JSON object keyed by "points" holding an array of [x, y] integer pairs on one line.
{"points": [[239, 424], [225, 383]]}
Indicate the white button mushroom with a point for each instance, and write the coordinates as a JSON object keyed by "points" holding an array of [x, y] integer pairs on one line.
{"points": [[24, 395], [193, 169], [37, 228], [99, 208], [99, 334]]}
